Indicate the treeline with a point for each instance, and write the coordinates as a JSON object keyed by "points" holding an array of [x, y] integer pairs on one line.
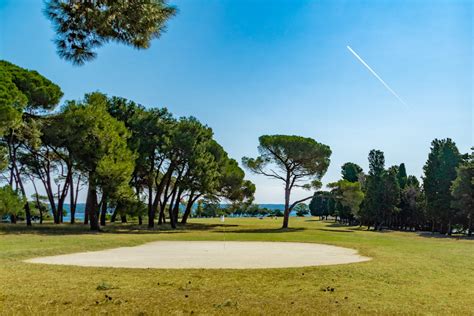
{"points": [[211, 209], [389, 198], [137, 161]]}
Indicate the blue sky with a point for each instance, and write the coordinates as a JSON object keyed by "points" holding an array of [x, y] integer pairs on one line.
{"points": [[248, 68]]}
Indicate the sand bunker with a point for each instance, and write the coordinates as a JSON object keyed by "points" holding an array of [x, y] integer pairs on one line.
{"points": [[210, 255]]}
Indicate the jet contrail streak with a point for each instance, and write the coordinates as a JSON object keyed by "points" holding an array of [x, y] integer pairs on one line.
{"points": [[376, 76]]}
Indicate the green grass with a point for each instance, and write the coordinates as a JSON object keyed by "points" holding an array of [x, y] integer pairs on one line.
{"points": [[409, 273]]}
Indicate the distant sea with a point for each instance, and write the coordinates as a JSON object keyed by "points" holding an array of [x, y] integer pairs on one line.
{"points": [[81, 207]]}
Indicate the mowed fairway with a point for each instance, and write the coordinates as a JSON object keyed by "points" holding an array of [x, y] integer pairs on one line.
{"points": [[408, 273]]}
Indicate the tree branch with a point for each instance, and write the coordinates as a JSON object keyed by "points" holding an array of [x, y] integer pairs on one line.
{"points": [[299, 201]]}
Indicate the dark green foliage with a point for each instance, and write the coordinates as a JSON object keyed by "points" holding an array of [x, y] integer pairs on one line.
{"points": [[210, 209], [23, 90], [27, 89], [440, 172], [351, 171], [349, 197], [382, 192], [402, 176], [411, 214], [83, 26], [331, 206], [11, 202], [144, 162], [178, 162], [98, 143], [396, 200], [23, 95], [319, 205], [276, 213], [462, 191], [301, 209], [413, 181]]}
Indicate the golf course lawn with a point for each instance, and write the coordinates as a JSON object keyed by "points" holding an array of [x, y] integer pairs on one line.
{"points": [[408, 273]]}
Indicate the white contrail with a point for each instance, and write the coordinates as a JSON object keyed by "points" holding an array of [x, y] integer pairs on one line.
{"points": [[376, 76]]}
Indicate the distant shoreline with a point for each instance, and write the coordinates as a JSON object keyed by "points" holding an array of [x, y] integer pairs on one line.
{"points": [[81, 207]]}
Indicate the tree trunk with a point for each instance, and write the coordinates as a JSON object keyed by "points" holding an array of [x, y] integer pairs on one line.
{"points": [[161, 217], [137, 190], [103, 212], [60, 206], [469, 225], [72, 206], [92, 205], [37, 200], [163, 189], [86, 216], [123, 218], [189, 207], [172, 222], [19, 183], [49, 192], [165, 202], [151, 210], [15, 174], [114, 216], [286, 214], [159, 190], [27, 205], [171, 207], [151, 207], [27, 213], [176, 206]]}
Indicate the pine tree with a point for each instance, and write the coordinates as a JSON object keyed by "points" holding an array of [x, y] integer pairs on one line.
{"points": [[440, 172]]}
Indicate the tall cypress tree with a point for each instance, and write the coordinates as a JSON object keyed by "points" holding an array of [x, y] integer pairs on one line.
{"points": [[402, 176], [462, 191], [382, 192], [374, 188], [440, 172]]}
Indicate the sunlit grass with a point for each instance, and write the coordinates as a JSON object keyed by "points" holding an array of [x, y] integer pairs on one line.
{"points": [[409, 274]]}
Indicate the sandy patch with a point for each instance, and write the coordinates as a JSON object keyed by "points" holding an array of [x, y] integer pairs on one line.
{"points": [[210, 255]]}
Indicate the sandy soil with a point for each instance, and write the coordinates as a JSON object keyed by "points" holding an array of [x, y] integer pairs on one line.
{"points": [[210, 255]]}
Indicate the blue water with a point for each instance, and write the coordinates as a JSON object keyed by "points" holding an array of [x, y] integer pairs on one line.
{"points": [[81, 207]]}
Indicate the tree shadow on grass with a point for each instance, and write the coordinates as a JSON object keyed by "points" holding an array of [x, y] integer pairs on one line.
{"points": [[426, 234], [81, 229], [263, 230], [332, 224], [201, 226], [336, 230]]}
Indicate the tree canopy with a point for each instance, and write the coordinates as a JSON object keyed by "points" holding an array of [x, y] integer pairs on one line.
{"points": [[351, 171], [23, 94], [11, 203], [299, 162], [143, 162], [83, 26]]}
